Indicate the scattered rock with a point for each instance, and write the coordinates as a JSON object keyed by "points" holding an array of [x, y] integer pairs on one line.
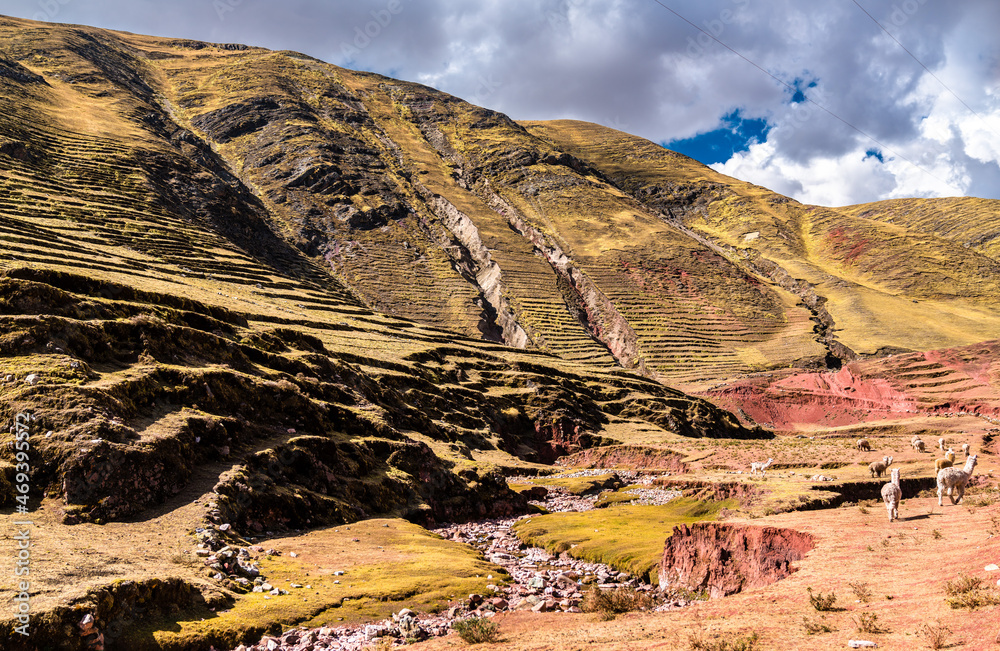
{"points": [[542, 582], [86, 624]]}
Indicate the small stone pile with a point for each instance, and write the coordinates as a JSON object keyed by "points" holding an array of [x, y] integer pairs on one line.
{"points": [[234, 564], [559, 500], [93, 639], [403, 626]]}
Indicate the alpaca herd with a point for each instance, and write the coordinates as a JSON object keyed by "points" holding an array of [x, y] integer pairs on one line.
{"points": [[950, 480]]}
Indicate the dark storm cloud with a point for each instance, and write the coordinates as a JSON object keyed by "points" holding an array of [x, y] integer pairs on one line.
{"points": [[634, 65]]}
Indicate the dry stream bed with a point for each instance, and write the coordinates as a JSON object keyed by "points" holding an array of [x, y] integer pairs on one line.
{"points": [[535, 579]]}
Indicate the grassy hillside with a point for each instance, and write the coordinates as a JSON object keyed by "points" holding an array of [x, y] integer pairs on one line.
{"points": [[891, 275]]}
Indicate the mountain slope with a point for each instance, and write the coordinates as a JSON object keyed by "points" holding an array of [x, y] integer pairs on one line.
{"points": [[873, 283], [566, 237], [112, 208]]}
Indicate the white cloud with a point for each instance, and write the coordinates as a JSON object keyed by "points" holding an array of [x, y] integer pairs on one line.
{"points": [[634, 65]]}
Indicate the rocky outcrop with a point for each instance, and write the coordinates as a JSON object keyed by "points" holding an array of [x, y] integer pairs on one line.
{"points": [[15, 71], [605, 323], [724, 559], [486, 274]]}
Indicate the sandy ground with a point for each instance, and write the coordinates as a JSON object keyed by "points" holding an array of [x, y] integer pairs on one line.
{"points": [[905, 564]]}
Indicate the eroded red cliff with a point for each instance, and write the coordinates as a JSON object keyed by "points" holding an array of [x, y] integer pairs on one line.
{"points": [[724, 559]]}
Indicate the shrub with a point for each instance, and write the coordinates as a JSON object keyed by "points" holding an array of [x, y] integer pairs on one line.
{"points": [[815, 626], [868, 623], [968, 592], [611, 603], [936, 635], [477, 629], [724, 642], [861, 591], [690, 595], [987, 497], [962, 585], [821, 602]]}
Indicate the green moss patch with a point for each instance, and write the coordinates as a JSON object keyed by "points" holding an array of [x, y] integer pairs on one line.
{"points": [[620, 496], [387, 565], [573, 485], [627, 537]]}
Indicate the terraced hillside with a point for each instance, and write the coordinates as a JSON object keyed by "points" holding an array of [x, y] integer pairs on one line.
{"points": [[111, 193], [420, 204], [563, 237], [890, 276], [973, 223], [961, 381]]}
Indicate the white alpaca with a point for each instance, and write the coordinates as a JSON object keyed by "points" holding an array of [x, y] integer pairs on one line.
{"points": [[965, 449], [953, 481], [892, 493], [761, 466], [941, 444], [918, 445], [878, 467]]}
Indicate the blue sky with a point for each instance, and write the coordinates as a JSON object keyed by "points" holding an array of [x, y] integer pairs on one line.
{"points": [[825, 107], [736, 134]]}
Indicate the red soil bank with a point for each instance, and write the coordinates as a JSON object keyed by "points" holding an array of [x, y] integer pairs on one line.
{"points": [[725, 559], [955, 380], [634, 457]]}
